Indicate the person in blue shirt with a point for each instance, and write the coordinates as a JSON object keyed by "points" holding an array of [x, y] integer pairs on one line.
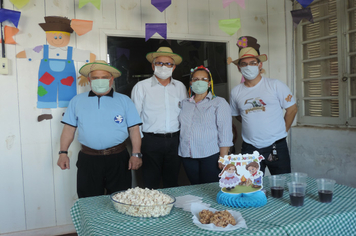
{"points": [[104, 120]]}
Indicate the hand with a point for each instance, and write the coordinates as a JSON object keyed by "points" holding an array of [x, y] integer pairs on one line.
{"points": [[221, 166], [135, 163], [63, 161], [83, 80]]}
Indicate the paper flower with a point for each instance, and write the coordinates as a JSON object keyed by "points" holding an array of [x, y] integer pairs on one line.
{"points": [[242, 42]]}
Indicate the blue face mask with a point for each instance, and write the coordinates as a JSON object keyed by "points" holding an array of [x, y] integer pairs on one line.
{"points": [[200, 87], [250, 72], [100, 85]]}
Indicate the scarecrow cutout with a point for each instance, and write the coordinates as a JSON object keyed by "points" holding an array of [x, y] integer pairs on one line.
{"points": [[241, 173], [57, 71]]}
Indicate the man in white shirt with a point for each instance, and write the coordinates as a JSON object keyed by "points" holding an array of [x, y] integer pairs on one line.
{"points": [[259, 103], [157, 100]]}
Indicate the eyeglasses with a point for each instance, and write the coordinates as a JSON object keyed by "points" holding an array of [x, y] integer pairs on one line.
{"points": [[202, 79], [105, 77], [251, 63], [167, 64]]}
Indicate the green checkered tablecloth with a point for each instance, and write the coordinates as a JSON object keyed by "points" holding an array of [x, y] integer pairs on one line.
{"points": [[97, 216]]}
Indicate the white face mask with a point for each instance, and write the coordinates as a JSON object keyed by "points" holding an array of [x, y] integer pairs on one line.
{"points": [[163, 72], [250, 72], [100, 85]]}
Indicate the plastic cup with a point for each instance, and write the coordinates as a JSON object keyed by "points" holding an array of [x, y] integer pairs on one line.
{"points": [[325, 189], [297, 193], [299, 177], [276, 183]]}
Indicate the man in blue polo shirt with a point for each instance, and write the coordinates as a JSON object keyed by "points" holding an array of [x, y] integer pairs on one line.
{"points": [[104, 120]]}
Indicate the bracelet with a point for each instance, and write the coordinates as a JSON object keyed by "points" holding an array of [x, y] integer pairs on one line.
{"points": [[65, 152]]}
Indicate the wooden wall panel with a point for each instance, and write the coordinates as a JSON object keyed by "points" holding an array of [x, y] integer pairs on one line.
{"points": [[128, 15], [216, 13], [177, 17], [198, 17]]}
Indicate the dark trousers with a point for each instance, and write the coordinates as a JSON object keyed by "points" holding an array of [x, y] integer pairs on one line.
{"points": [[99, 172], [160, 160], [281, 166], [202, 170]]}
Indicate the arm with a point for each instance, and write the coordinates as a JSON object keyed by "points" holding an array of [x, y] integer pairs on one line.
{"points": [[135, 137], [66, 139], [289, 116], [223, 151], [21, 54]]}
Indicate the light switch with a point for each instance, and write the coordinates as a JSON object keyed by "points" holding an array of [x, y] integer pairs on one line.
{"points": [[4, 66]]}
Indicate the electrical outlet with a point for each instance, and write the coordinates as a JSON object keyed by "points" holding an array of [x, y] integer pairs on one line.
{"points": [[4, 66]]}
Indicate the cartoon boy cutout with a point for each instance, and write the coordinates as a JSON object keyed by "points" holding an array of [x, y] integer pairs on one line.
{"points": [[57, 71], [256, 175], [229, 177]]}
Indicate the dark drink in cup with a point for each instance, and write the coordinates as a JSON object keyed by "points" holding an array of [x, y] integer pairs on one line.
{"points": [[277, 192], [297, 199], [325, 196]]}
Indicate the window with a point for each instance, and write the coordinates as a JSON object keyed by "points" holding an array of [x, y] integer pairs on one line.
{"points": [[326, 64]]}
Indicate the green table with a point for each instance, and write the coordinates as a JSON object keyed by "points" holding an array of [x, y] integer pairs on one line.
{"points": [[97, 216]]}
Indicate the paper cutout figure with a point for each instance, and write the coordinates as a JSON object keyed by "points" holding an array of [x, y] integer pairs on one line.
{"points": [[19, 3], [152, 28], [240, 2], [230, 26], [81, 27], [305, 3], [96, 3], [123, 51], [241, 173], [161, 5], [57, 71], [9, 33], [13, 16], [300, 14]]}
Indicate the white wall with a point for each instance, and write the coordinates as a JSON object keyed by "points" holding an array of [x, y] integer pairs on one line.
{"points": [[35, 193]]}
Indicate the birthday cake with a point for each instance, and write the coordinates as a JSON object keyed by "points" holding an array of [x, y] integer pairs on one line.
{"points": [[241, 181]]}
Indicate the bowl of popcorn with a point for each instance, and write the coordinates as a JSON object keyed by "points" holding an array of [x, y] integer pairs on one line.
{"points": [[142, 202]]}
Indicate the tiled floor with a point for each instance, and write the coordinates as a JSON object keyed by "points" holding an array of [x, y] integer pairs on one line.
{"points": [[73, 234]]}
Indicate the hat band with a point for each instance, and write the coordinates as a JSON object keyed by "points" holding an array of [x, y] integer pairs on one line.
{"points": [[249, 55]]}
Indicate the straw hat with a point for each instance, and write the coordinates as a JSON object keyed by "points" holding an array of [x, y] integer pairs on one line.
{"points": [[99, 65], [248, 47], [166, 52], [56, 23]]}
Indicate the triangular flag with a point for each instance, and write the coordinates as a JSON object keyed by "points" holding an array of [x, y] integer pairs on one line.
{"points": [[161, 5], [305, 3], [9, 33], [152, 28], [300, 14], [13, 16], [96, 3], [81, 27], [240, 2], [123, 51], [19, 3], [230, 26]]}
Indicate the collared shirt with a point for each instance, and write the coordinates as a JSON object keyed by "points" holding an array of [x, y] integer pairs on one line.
{"points": [[205, 127], [158, 105], [102, 122]]}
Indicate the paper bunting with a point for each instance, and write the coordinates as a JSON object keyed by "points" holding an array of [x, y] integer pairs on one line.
{"points": [[81, 27], [96, 3], [9, 32], [123, 51], [13, 16], [161, 5], [240, 2], [230, 26], [300, 14], [305, 3], [152, 28], [19, 3]]}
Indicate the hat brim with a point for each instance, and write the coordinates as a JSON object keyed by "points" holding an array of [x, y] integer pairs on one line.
{"points": [[89, 67], [152, 55], [262, 58]]}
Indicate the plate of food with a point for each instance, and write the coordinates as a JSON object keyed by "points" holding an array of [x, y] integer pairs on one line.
{"points": [[215, 220]]}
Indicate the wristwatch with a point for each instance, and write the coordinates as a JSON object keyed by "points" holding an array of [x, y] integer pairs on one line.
{"points": [[139, 155], [65, 152]]}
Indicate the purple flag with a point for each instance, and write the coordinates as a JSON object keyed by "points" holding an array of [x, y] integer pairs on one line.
{"points": [[122, 51], [152, 28], [13, 16], [161, 5], [305, 3], [300, 14]]}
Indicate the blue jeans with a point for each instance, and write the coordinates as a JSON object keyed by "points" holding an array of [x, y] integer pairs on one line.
{"points": [[281, 166]]}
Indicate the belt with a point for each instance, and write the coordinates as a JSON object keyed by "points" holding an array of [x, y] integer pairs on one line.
{"points": [[280, 140], [166, 135], [113, 150]]}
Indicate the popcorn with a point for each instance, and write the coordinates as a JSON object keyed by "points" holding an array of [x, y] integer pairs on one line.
{"points": [[143, 202]]}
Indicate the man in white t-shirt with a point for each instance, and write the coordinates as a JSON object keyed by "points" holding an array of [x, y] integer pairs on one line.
{"points": [[259, 104]]}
